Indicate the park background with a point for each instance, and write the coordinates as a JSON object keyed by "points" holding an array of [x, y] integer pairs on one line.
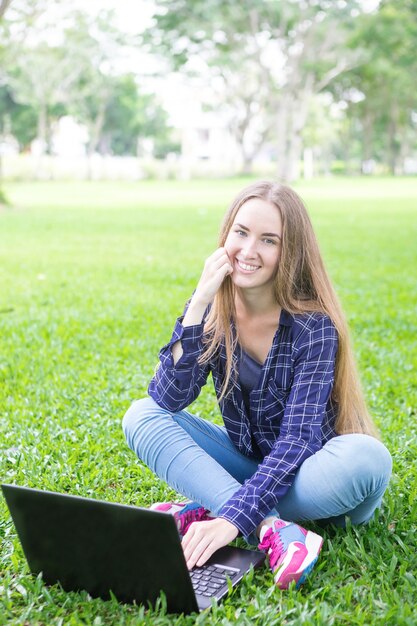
{"points": [[175, 89], [125, 131]]}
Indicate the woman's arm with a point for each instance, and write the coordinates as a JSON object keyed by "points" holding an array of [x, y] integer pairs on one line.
{"points": [[194, 316], [180, 377], [177, 382], [216, 268]]}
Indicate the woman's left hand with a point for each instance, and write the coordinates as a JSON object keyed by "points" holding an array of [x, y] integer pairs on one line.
{"points": [[204, 538]]}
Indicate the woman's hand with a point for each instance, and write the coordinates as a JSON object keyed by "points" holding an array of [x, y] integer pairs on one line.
{"points": [[216, 268], [204, 538]]}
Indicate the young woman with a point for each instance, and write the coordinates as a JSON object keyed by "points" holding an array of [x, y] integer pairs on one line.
{"points": [[297, 443]]}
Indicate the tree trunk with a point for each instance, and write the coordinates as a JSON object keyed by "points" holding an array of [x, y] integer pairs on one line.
{"points": [[392, 148], [3, 198], [404, 151], [294, 142], [41, 137], [368, 126], [96, 129], [4, 4], [249, 155], [95, 132], [239, 130], [308, 163], [281, 142], [295, 118], [247, 168]]}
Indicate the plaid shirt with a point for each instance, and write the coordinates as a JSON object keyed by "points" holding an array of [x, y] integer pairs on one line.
{"points": [[291, 413]]}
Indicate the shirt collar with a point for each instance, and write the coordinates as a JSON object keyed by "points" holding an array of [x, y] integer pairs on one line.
{"points": [[285, 319]]}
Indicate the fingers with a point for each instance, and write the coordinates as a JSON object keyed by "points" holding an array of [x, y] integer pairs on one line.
{"points": [[225, 269], [208, 552], [218, 253], [217, 259], [200, 554], [221, 263], [216, 268], [198, 545], [204, 538]]}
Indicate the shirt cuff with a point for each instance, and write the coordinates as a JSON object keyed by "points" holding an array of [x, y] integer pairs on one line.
{"points": [[245, 522], [191, 343]]}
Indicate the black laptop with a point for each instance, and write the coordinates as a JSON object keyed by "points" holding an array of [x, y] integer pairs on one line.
{"points": [[133, 552]]}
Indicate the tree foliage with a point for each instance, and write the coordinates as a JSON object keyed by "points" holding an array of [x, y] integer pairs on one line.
{"points": [[385, 116], [78, 74], [264, 65], [273, 58], [18, 120], [129, 116]]}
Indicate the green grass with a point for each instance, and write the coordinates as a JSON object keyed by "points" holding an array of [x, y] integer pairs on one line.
{"points": [[92, 277]]}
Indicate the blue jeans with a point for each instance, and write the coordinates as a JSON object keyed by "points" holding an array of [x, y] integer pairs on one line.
{"points": [[347, 477]]}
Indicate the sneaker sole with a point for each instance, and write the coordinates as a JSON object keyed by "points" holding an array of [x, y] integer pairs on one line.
{"points": [[305, 574], [283, 579], [167, 506]]}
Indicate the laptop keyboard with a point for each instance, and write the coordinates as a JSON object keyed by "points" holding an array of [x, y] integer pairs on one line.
{"points": [[209, 579]]}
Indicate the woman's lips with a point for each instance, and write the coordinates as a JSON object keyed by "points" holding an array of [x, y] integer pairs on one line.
{"points": [[246, 268]]}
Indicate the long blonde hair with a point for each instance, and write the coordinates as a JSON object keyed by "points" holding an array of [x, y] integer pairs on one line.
{"points": [[301, 285]]}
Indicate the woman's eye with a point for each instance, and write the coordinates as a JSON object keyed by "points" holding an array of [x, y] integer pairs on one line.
{"points": [[269, 241], [240, 232]]}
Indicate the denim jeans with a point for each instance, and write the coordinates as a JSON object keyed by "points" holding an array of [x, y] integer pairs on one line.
{"points": [[347, 477]]}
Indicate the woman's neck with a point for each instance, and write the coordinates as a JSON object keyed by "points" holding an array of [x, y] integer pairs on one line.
{"points": [[255, 303]]}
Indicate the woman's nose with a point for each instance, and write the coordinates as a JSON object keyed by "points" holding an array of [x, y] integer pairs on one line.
{"points": [[249, 249]]}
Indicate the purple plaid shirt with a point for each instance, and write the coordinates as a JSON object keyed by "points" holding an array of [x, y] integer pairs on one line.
{"points": [[291, 412]]}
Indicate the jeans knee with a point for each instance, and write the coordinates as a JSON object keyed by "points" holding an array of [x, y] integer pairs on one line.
{"points": [[370, 460], [385, 460], [137, 411], [378, 460]]}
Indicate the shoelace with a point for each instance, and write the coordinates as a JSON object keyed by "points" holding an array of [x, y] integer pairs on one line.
{"points": [[193, 515], [272, 541]]}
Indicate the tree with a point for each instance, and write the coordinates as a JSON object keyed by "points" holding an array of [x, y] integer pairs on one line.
{"points": [[78, 75], [19, 120], [108, 103], [37, 75], [321, 135], [93, 46], [74, 75], [294, 49], [381, 94], [129, 116], [29, 87], [47, 97], [249, 105]]}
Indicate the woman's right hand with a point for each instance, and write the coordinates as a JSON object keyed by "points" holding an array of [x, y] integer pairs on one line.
{"points": [[216, 268]]}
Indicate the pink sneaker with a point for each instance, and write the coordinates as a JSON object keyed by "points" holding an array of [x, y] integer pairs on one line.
{"points": [[293, 551], [185, 513]]}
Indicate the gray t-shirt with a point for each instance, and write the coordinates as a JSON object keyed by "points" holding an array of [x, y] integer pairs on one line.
{"points": [[249, 373]]}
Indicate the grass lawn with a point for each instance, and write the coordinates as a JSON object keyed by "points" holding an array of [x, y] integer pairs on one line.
{"points": [[92, 277]]}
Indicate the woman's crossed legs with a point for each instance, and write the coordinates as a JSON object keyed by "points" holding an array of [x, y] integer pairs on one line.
{"points": [[347, 477]]}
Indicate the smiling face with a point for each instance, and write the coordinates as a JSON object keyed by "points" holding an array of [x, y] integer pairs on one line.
{"points": [[254, 244]]}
